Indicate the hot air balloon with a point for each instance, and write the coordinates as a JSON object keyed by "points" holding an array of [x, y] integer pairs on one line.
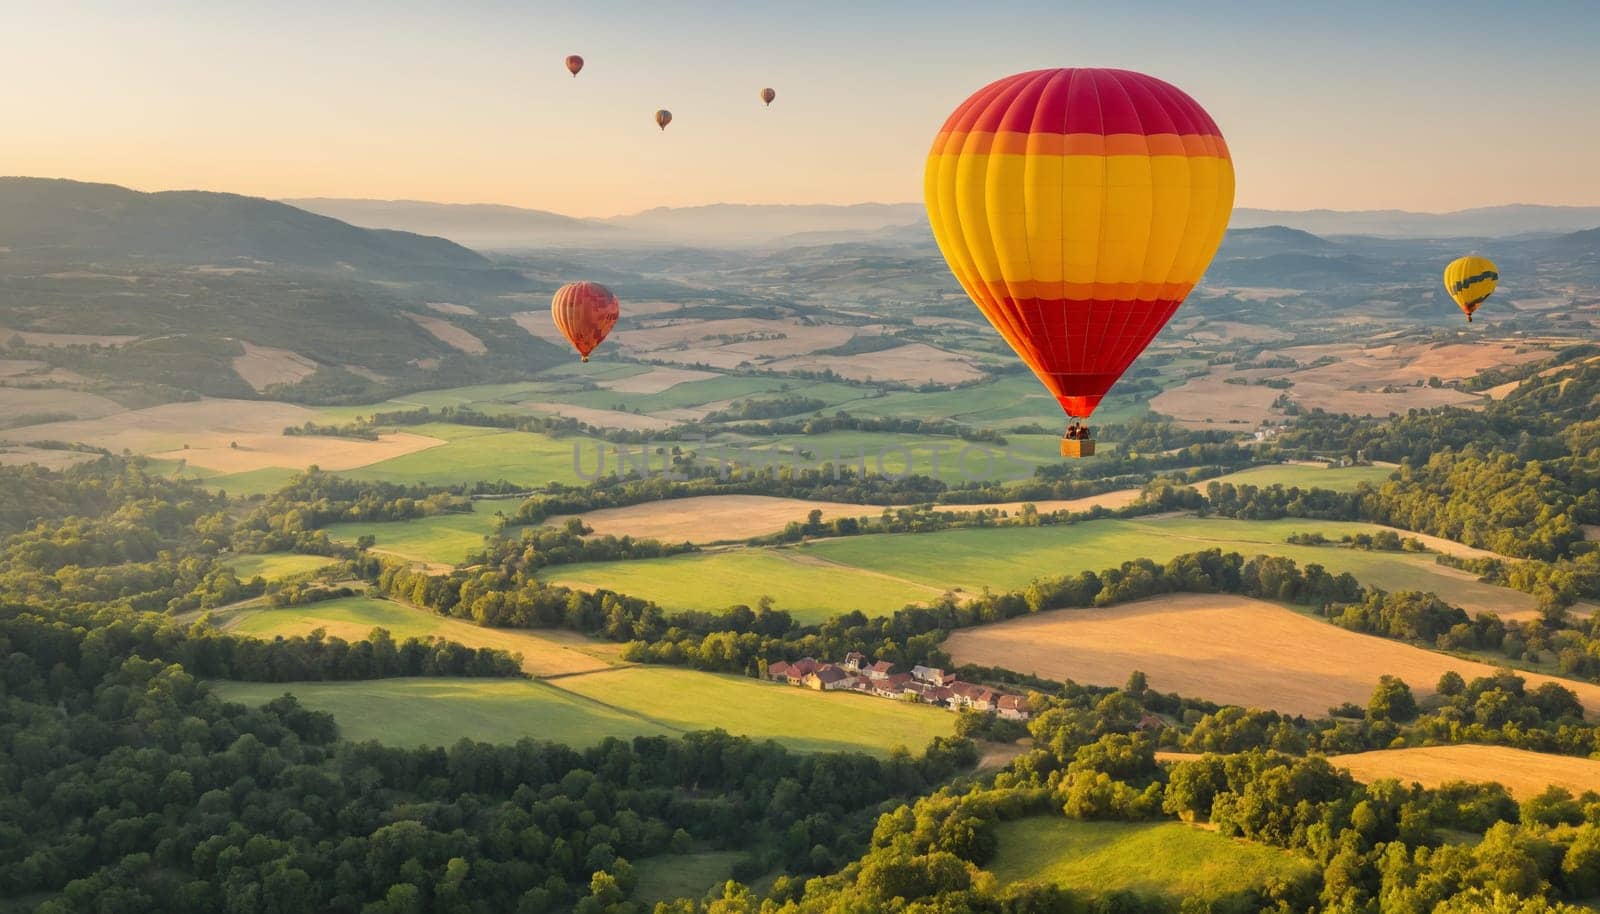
{"points": [[1078, 207], [663, 118], [1470, 280], [767, 95], [584, 312], [574, 64]]}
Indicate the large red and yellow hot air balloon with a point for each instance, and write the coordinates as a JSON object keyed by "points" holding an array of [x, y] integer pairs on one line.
{"points": [[574, 64], [584, 312], [1078, 207], [1469, 280]]}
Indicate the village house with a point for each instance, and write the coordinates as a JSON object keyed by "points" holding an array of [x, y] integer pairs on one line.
{"points": [[929, 685], [890, 686], [976, 697], [827, 679], [1013, 707]]}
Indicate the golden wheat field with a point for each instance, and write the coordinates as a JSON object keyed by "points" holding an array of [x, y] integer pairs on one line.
{"points": [[1232, 650], [1524, 773]]}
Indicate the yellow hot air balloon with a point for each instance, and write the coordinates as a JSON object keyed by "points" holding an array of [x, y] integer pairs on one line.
{"points": [[1078, 207], [1470, 280]]}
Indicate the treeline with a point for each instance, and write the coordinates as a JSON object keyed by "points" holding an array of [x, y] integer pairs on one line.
{"points": [[83, 639], [535, 547], [129, 786], [843, 421], [772, 408]]}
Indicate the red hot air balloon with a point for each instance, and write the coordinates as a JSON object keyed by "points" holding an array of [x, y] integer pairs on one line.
{"points": [[574, 64], [584, 312], [767, 95], [663, 118], [1078, 207]]}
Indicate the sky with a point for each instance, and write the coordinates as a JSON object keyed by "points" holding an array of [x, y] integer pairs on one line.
{"points": [[1351, 105]]}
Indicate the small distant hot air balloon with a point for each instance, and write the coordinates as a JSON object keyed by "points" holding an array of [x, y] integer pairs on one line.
{"points": [[584, 312], [1470, 280], [663, 118], [1078, 207], [574, 64], [767, 95]]}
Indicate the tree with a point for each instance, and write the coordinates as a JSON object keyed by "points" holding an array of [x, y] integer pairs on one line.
{"points": [[1392, 701]]}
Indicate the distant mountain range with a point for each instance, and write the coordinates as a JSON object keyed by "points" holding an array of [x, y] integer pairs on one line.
{"points": [[1482, 222], [508, 228], [484, 226], [492, 227]]}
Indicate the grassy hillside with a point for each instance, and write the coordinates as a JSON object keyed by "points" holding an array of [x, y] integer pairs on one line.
{"points": [[1167, 858], [441, 539], [811, 591], [584, 709], [877, 574], [544, 653]]}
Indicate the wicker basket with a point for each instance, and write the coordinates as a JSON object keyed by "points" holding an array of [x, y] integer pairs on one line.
{"points": [[1077, 447]]}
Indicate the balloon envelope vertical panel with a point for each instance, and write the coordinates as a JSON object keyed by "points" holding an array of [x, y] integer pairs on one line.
{"points": [[584, 312], [1078, 207]]}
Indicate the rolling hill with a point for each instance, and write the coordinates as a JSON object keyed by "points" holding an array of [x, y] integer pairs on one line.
{"points": [[482, 226], [75, 221]]}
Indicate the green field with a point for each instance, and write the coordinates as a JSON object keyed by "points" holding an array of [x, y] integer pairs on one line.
{"points": [[276, 565], [625, 702], [670, 876], [544, 653], [1167, 858], [1340, 479], [439, 711], [798, 718], [896, 454], [443, 538], [1006, 558], [250, 482], [1005, 402], [809, 590], [482, 454], [713, 390]]}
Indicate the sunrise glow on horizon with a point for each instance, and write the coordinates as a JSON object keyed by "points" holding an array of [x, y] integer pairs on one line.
{"points": [[1434, 107]]}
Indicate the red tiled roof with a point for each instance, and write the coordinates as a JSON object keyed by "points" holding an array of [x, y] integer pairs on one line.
{"points": [[883, 666]]}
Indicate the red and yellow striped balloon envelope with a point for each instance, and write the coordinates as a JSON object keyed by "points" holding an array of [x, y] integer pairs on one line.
{"points": [[584, 312], [1078, 207]]}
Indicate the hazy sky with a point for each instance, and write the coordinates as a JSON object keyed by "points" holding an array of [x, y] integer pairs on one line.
{"points": [[1342, 105]]}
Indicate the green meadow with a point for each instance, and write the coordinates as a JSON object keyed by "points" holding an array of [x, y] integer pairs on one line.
{"points": [[275, 566], [1011, 557], [434, 711], [1166, 858], [809, 590], [670, 876], [544, 652], [897, 454], [584, 709], [878, 574], [1340, 479], [442, 538], [472, 454]]}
